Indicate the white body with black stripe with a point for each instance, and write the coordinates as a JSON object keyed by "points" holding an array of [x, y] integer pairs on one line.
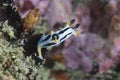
{"points": [[48, 41], [62, 37]]}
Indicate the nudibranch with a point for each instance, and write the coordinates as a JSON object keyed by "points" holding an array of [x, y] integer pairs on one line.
{"points": [[55, 38]]}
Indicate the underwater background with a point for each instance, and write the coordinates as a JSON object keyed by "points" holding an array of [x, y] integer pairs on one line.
{"points": [[94, 54]]}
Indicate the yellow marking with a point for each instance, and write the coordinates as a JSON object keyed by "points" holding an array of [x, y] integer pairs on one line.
{"points": [[52, 32], [68, 23], [40, 53], [77, 33], [56, 40]]}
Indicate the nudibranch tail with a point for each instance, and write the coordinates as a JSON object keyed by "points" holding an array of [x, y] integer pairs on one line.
{"points": [[40, 53]]}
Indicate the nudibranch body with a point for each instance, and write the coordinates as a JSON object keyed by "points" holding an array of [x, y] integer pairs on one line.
{"points": [[55, 38]]}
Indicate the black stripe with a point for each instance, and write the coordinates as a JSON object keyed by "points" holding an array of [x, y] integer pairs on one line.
{"points": [[49, 44], [48, 36], [63, 31], [65, 36]]}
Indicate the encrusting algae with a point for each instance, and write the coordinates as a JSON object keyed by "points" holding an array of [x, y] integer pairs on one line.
{"points": [[13, 63]]}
